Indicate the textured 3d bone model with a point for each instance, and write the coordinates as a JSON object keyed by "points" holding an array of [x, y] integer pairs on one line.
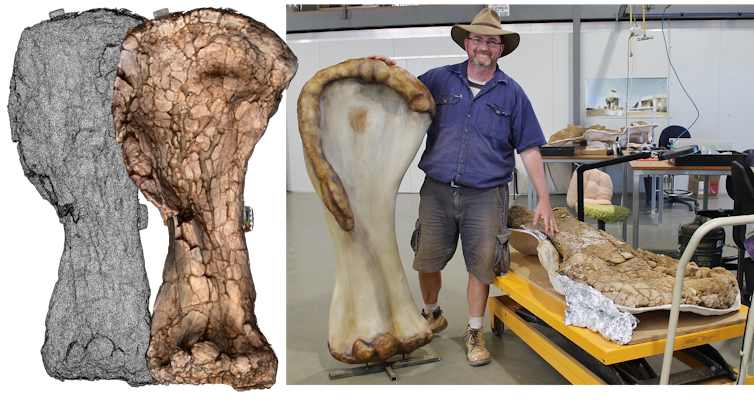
{"points": [[193, 96], [361, 123]]}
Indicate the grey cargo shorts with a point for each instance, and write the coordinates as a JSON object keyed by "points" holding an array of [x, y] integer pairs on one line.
{"points": [[479, 216]]}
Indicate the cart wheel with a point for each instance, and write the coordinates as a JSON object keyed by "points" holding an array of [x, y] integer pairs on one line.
{"points": [[497, 327]]}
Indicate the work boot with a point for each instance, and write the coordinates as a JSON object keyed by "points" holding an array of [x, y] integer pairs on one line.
{"points": [[476, 353], [436, 321]]}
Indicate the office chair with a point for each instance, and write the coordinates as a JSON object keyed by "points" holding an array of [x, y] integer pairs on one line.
{"points": [[729, 181], [674, 195], [743, 183]]}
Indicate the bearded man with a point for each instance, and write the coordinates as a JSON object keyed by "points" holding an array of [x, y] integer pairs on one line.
{"points": [[483, 116]]}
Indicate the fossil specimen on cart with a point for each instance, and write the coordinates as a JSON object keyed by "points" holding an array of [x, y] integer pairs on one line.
{"points": [[637, 280]]}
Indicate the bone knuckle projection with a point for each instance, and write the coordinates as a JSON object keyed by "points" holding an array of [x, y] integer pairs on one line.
{"points": [[59, 107], [630, 277], [192, 97], [361, 123]]}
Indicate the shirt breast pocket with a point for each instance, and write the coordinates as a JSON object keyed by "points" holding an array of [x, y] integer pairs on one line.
{"points": [[495, 121], [447, 107]]}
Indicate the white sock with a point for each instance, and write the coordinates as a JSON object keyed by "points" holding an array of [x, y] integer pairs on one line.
{"points": [[428, 308], [475, 322]]}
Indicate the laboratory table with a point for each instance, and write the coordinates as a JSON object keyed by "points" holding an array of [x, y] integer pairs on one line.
{"points": [[661, 168]]}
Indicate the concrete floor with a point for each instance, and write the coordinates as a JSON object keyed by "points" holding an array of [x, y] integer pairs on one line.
{"points": [[310, 280]]}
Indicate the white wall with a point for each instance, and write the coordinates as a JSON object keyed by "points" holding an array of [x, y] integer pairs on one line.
{"points": [[714, 66]]}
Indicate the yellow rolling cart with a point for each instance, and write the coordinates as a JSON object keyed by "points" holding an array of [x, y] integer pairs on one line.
{"points": [[529, 298]]}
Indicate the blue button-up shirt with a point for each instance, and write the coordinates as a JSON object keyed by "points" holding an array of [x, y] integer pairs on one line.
{"points": [[472, 138]]}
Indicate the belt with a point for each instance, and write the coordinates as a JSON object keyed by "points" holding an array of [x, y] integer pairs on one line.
{"points": [[457, 185], [452, 183]]}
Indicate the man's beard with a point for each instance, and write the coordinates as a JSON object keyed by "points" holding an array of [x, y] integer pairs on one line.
{"points": [[476, 62]]}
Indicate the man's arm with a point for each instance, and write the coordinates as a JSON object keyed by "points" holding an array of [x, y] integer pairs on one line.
{"points": [[533, 162]]}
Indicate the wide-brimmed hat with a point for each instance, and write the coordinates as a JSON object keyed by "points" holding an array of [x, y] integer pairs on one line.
{"points": [[486, 22]]}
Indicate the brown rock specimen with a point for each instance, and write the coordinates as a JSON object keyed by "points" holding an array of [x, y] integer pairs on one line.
{"points": [[577, 132], [193, 96], [361, 123], [631, 278], [569, 132]]}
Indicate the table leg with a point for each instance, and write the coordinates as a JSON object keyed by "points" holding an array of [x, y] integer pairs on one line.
{"points": [[706, 192], [635, 209], [535, 200], [623, 198], [531, 193], [654, 190], [625, 186], [662, 199]]}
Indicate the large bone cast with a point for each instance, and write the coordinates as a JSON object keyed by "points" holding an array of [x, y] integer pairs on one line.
{"points": [[193, 96], [361, 123]]}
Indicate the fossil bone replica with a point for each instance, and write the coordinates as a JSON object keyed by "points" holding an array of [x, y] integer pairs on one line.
{"points": [[193, 96], [361, 123], [630, 277], [598, 188], [59, 107]]}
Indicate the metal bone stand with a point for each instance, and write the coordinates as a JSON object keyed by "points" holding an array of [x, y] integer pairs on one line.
{"points": [[385, 366]]}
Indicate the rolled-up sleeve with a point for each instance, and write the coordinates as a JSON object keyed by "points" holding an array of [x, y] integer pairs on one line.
{"points": [[527, 132]]}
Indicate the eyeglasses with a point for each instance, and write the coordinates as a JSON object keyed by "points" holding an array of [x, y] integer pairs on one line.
{"points": [[478, 41]]}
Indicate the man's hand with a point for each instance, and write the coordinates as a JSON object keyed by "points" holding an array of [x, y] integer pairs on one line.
{"points": [[544, 211], [387, 60]]}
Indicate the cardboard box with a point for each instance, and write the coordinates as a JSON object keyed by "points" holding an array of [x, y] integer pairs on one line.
{"points": [[696, 186]]}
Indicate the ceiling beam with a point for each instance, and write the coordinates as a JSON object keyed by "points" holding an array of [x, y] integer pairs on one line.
{"points": [[444, 15]]}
